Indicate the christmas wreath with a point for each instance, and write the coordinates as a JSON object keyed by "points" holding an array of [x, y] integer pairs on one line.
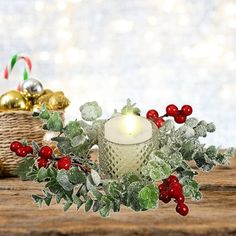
{"points": [[72, 174]]}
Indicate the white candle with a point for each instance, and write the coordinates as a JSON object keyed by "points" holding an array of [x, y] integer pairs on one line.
{"points": [[125, 146], [128, 129]]}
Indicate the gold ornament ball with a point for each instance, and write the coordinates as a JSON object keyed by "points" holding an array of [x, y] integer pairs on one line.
{"points": [[32, 88], [44, 99], [13, 100], [58, 101], [47, 91]]}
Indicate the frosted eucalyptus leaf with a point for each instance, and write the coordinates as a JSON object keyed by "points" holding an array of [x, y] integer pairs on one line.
{"points": [[167, 126], [78, 140], [211, 127], [73, 129], [63, 180], [176, 159], [95, 177], [211, 152], [54, 123], [155, 174], [90, 111], [203, 122], [191, 122], [200, 131], [186, 131]]}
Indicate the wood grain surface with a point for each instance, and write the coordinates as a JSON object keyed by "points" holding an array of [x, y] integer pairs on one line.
{"points": [[215, 215]]}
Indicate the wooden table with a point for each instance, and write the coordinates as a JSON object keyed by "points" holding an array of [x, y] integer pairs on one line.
{"points": [[215, 215]]}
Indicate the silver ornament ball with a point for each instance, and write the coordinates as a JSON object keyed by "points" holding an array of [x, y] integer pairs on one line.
{"points": [[32, 88]]}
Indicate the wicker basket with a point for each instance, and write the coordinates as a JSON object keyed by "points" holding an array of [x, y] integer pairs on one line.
{"points": [[17, 125]]}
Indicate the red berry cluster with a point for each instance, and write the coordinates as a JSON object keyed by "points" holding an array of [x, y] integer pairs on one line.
{"points": [[171, 188], [45, 156], [179, 115], [171, 110], [20, 149]]}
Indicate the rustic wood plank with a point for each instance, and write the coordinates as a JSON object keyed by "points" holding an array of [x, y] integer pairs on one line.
{"points": [[214, 215]]}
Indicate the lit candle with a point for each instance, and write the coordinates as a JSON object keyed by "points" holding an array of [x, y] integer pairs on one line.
{"points": [[125, 145]]}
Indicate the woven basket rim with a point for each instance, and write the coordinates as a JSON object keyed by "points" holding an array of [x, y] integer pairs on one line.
{"points": [[24, 112]]}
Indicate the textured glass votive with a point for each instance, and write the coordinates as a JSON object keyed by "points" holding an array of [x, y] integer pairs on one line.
{"points": [[116, 159]]}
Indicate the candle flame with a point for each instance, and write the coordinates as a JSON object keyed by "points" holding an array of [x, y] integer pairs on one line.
{"points": [[130, 123]]}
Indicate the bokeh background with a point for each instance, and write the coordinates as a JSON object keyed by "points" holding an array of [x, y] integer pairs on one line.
{"points": [[155, 52]]}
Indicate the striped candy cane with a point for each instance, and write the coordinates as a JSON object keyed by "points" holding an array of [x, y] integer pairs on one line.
{"points": [[13, 61]]}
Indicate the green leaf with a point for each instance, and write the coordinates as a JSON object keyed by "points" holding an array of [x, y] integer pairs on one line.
{"points": [[97, 194], [90, 111], [104, 211], [52, 172], [115, 189], [42, 174], [59, 139], [67, 205], [48, 200], [116, 205], [65, 146], [76, 176], [79, 140], [89, 182], [95, 177], [73, 129], [77, 201], [59, 196], [133, 195], [88, 204], [96, 206], [54, 123], [32, 175], [197, 196], [63, 180], [36, 147], [38, 199], [45, 127], [129, 178], [202, 162], [130, 108], [155, 174], [176, 159], [44, 114], [148, 196], [24, 168], [211, 127]]}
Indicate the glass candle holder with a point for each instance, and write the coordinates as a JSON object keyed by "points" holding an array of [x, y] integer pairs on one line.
{"points": [[119, 158]]}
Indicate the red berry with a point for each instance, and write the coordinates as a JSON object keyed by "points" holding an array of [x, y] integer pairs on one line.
{"points": [[180, 118], [172, 110], [159, 122], [64, 163], [175, 190], [21, 152], [187, 110], [45, 152], [165, 197], [182, 209], [15, 145], [180, 198], [162, 187], [152, 114], [29, 149], [42, 162], [172, 179]]}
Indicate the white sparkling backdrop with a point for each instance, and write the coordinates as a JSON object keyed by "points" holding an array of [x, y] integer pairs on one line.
{"points": [[155, 52]]}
